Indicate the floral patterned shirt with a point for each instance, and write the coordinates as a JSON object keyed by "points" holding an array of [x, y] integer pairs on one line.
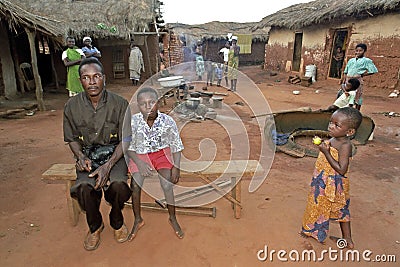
{"points": [[164, 133]]}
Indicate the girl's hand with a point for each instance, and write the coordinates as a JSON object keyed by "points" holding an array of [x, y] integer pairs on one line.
{"points": [[324, 147]]}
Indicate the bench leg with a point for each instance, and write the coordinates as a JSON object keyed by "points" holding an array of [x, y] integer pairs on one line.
{"points": [[236, 193], [72, 205]]}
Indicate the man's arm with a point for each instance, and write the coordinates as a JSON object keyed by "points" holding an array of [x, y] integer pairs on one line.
{"points": [[237, 50], [83, 163], [96, 53], [68, 62]]}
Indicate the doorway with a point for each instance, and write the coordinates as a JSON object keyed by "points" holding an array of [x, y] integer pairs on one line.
{"points": [[298, 44], [338, 53]]}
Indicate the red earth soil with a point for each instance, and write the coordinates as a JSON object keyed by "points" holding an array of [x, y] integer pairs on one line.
{"points": [[35, 230]]}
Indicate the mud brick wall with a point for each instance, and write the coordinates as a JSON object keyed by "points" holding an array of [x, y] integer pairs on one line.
{"points": [[173, 50], [276, 56], [385, 52], [320, 57]]}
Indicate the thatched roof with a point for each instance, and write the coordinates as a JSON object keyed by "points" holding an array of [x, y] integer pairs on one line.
{"points": [[327, 11], [216, 30], [16, 16], [104, 19]]}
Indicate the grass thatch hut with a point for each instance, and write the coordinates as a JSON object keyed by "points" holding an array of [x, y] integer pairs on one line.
{"points": [[111, 24], [20, 29], [213, 36], [307, 33]]}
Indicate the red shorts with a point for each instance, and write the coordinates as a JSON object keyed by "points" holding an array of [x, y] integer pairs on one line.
{"points": [[161, 159]]}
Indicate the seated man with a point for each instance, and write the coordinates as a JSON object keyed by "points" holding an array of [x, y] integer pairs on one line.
{"points": [[92, 123], [346, 95]]}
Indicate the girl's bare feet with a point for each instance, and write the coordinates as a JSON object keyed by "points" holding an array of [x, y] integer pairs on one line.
{"points": [[342, 242]]}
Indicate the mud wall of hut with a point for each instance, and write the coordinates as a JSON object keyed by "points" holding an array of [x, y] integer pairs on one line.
{"points": [[381, 34], [257, 54], [279, 49]]}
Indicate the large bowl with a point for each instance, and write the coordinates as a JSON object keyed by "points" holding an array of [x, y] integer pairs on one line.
{"points": [[172, 81]]}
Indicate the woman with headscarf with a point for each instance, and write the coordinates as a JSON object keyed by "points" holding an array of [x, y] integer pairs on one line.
{"points": [[136, 63], [233, 63]]}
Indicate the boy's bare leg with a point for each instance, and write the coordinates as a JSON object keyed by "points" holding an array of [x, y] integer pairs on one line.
{"points": [[165, 177], [136, 194]]}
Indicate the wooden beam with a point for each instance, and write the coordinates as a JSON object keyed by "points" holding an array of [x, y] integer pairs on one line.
{"points": [[38, 83], [148, 33]]}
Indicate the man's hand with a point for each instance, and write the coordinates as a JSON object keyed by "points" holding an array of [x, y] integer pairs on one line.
{"points": [[84, 164], [103, 174]]}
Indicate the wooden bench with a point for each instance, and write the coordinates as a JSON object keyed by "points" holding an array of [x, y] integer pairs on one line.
{"points": [[65, 173]]}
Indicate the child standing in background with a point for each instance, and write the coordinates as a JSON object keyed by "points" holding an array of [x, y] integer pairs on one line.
{"points": [[210, 68], [219, 72], [359, 67], [200, 69], [338, 57], [329, 197]]}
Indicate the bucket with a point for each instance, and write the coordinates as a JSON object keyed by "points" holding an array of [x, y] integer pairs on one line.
{"points": [[311, 71]]}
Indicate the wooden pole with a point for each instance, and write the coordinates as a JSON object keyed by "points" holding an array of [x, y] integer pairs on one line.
{"points": [[53, 67], [196, 211], [38, 82], [218, 189], [148, 55], [20, 75], [148, 58], [303, 109]]}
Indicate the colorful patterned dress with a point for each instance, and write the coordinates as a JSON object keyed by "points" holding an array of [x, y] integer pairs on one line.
{"points": [[233, 64], [328, 199]]}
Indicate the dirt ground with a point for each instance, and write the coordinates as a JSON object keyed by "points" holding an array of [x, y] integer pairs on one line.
{"points": [[35, 230]]}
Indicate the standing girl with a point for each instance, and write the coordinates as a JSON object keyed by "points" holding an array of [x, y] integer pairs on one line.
{"points": [[329, 197], [359, 67]]}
